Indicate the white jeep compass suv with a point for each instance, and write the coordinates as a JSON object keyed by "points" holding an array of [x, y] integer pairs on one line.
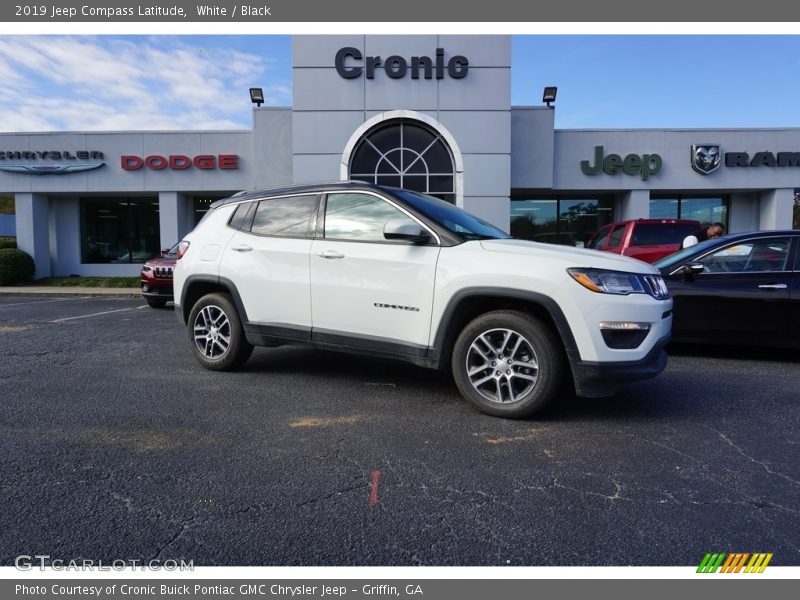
{"points": [[383, 271]]}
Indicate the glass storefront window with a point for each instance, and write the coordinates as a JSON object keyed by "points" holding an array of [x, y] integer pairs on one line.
{"points": [[568, 221], [535, 220], [200, 206], [704, 209], [7, 205], [664, 208], [119, 230]]}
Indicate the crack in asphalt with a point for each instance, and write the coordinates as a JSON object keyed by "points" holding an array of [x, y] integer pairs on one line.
{"points": [[761, 463]]}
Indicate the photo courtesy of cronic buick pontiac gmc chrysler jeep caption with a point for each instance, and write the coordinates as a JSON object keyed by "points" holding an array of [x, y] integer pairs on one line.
{"points": [[361, 268]]}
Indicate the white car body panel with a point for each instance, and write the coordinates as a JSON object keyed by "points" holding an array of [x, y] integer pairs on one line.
{"points": [[273, 278], [374, 289], [542, 269]]}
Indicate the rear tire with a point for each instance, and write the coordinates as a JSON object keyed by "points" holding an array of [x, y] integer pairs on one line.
{"points": [[216, 336], [508, 364]]}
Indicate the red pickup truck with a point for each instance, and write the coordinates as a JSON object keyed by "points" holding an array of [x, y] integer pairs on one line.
{"points": [[646, 239]]}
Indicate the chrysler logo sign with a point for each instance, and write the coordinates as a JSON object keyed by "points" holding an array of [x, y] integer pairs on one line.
{"points": [[50, 162], [706, 158]]}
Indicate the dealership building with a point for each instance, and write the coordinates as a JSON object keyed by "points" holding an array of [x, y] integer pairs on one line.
{"points": [[429, 113]]}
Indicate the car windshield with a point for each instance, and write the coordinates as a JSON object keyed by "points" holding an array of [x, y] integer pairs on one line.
{"points": [[680, 255], [451, 217]]}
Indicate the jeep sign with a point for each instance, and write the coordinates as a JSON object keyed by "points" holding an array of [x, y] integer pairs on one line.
{"points": [[643, 165]]}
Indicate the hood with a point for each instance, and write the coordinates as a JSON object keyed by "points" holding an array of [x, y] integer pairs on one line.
{"points": [[576, 257], [161, 261]]}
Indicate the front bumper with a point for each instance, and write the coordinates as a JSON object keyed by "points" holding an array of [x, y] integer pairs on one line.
{"points": [[600, 379], [155, 288]]}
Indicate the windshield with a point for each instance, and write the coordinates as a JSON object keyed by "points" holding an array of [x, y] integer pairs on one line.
{"points": [[451, 217], [680, 255]]}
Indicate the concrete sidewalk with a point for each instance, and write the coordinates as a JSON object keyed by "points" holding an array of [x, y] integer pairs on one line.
{"points": [[36, 290]]}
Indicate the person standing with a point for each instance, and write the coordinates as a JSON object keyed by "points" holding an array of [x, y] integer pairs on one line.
{"points": [[706, 233]]}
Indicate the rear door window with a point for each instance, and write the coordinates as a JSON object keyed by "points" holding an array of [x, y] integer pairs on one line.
{"points": [[285, 217]]}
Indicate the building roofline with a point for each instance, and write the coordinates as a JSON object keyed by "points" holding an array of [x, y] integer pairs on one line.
{"points": [[674, 129], [127, 132]]}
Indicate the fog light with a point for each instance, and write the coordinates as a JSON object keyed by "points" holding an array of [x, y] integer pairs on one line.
{"points": [[145, 287], [623, 335], [624, 325]]}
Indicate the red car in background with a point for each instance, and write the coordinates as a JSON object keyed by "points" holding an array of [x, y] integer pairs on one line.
{"points": [[156, 278], [646, 239]]}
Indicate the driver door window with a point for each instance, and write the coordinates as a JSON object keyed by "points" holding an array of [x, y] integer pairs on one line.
{"points": [[359, 217], [756, 256]]}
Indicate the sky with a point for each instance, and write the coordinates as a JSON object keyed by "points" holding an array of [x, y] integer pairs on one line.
{"points": [[84, 82]]}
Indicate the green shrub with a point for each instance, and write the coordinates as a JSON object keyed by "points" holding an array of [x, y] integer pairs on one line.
{"points": [[16, 266], [8, 242]]}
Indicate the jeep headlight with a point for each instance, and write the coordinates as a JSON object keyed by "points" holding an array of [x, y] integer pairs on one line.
{"points": [[619, 282]]}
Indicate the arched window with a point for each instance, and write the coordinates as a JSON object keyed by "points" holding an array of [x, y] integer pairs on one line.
{"points": [[405, 153]]}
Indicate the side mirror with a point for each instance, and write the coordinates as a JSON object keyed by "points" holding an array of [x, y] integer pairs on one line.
{"points": [[692, 269], [405, 230], [164, 251]]}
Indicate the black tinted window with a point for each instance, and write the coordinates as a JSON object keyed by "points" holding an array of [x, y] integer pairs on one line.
{"points": [[284, 217], [239, 215], [655, 234]]}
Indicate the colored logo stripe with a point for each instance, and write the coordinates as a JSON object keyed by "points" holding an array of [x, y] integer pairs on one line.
{"points": [[734, 562], [758, 563]]}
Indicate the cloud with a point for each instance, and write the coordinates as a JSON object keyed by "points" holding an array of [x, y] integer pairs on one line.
{"points": [[111, 83]]}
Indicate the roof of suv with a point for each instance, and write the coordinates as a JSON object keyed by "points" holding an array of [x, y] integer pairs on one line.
{"points": [[300, 188], [657, 221]]}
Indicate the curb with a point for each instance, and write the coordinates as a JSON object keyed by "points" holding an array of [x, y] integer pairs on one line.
{"points": [[70, 291]]}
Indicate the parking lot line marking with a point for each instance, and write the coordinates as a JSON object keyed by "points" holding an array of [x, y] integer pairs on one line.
{"points": [[142, 306], [44, 301], [373, 488], [106, 312]]}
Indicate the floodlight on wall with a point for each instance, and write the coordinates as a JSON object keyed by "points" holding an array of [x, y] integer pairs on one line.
{"points": [[257, 96], [549, 95]]}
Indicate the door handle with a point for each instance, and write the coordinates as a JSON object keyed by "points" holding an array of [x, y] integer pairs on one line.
{"points": [[330, 254], [242, 248], [772, 286]]}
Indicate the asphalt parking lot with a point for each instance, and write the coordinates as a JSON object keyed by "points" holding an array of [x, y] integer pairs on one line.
{"points": [[115, 444]]}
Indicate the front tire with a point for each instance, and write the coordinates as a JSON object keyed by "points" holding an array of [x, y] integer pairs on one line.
{"points": [[216, 336], [508, 364]]}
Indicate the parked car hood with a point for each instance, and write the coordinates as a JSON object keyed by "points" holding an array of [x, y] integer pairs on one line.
{"points": [[161, 261], [577, 257]]}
